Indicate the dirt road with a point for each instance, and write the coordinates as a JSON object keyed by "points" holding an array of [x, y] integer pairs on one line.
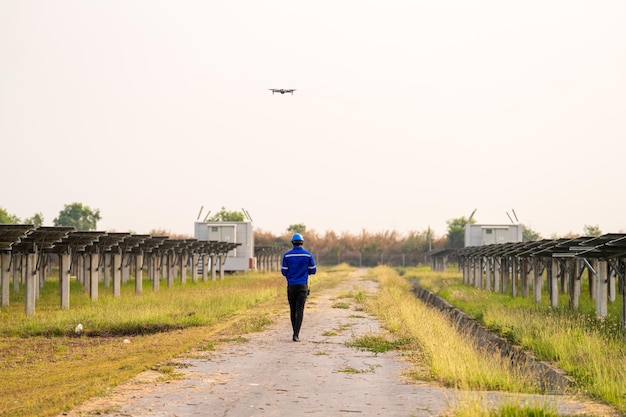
{"points": [[270, 375]]}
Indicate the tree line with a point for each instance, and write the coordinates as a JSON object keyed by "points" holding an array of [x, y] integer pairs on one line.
{"points": [[361, 249], [76, 215]]}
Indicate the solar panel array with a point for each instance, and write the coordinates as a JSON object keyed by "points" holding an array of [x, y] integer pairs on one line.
{"points": [[269, 257], [27, 253], [511, 267]]}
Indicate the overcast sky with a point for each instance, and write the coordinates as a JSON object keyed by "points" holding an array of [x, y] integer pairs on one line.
{"points": [[406, 114]]}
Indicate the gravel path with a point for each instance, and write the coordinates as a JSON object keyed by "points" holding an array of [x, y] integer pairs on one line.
{"points": [[270, 375]]}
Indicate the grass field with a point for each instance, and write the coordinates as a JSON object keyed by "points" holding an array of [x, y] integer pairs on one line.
{"points": [[445, 355], [591, 350]]}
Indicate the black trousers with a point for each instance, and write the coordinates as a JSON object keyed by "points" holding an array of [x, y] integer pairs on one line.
{"points": [[296, 294]]}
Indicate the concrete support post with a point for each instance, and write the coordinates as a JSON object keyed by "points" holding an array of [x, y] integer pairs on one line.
{"points": [[18, 270], [154, 272], [94, 275], [139, 273], [565, 284], [116, 269], [222, 265], [87, 273], [175, 267], [553, 276], [525, 264], [5, 277], [514, 277], [213, 266], [506, 275], [184, 258], [64, 280], [125, 267], [601, 290], [107, 269], [205, 267], [194, 267], [538, 281], [31, 284], [42, 273], [488, 263], [169, 269], [476, 272], [497, 274], [80, 270]]}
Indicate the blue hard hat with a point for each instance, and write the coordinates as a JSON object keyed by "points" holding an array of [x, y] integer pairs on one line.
{"points": [[297, 237]]}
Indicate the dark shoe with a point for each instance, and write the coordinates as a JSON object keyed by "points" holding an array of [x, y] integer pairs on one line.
{"points": [[296, 338]]}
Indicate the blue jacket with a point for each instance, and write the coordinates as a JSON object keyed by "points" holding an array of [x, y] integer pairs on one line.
{"points": [[298, 264]]}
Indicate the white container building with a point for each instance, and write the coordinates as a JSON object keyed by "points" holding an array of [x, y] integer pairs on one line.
{"points": [[487, 234], [239, 259]]}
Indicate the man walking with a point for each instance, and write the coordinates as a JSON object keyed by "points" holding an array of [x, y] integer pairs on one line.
{"points": [[298, 264]]}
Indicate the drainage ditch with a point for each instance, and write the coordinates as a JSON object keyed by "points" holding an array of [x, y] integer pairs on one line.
{"points": [[550, 378]]}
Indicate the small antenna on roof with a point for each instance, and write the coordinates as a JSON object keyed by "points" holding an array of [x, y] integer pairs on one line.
{"points": [[206, 217], [516, 219], [471, 216], [247, 215], [507, 214], [200, 213]]}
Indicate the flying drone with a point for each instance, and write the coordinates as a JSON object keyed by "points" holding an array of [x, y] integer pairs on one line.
{"points": [[282, 90]]}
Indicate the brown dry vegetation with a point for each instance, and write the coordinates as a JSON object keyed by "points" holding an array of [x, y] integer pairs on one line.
{"points": [[365, 249]]}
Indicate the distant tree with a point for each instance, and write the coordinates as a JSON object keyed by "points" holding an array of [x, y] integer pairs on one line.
{"points": [[6, 218], [593, 231], [296, 228], [35, 220], [529, 234], [416, 242], [227, 216], [78, 216], [456, 232]]}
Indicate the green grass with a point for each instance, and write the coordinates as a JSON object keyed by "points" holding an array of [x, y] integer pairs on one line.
{"points": [[476, 408], [182, 306], [377, 343], [369, 369], [341, 304], [591, 350]]}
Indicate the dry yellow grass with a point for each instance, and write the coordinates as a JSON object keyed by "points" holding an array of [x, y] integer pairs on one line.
{"points": [[445, 355]]}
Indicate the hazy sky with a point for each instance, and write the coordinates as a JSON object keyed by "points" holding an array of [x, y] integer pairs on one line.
{"points": [[407, 113]]}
